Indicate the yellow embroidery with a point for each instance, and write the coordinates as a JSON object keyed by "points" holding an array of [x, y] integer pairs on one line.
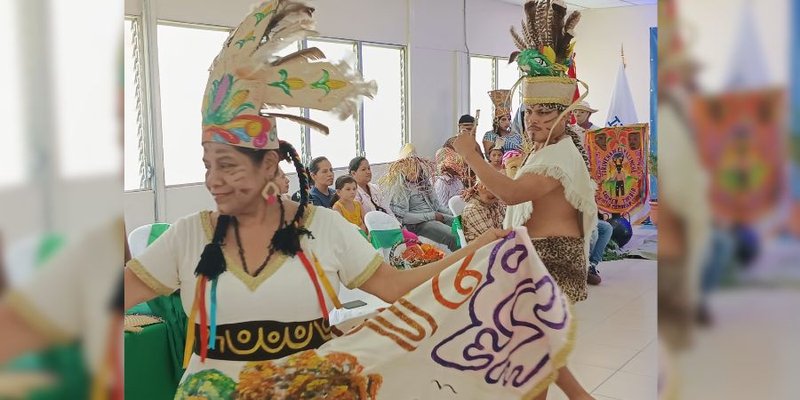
{"points": [[252, 282], [367, 272], [275, 341], [147, 278]]}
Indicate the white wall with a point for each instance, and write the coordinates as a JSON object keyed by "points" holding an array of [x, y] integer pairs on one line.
{"points": [[713, 41], [599, 35], [75, 205]]}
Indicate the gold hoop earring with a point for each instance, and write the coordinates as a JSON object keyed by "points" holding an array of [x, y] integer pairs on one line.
{"points": [[270, 192]]}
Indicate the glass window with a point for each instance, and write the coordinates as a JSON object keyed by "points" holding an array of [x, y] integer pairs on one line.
{"points": [[133, 151], [507, 76], [340, 146], [87, 118], [184, 56], [290, 131], [481, 81], [384, 116], [12, 152]]}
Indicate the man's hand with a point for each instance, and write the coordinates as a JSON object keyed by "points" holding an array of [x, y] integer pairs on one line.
{"points": [[489, 236], [464, 144], [439, 217]]}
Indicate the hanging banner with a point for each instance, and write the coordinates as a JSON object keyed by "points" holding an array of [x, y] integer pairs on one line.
{"points": [[618, 160], [742, 147]]}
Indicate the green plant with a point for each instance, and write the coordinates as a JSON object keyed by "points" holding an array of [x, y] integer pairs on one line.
{"points": [[612, 252]]}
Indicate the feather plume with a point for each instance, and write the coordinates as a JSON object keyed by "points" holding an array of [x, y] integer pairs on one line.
{"points": [[300, 120], [529, 25], [572, 21], [566, 50], [309, 54], [513, 57], [518, 41], [545, 29], [290, 14], [529, 36], [559, 44], [284, 37], [541, 21]]}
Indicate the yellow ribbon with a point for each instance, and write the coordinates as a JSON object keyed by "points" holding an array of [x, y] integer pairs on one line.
{"points": [[326, 283], [187, 350]]}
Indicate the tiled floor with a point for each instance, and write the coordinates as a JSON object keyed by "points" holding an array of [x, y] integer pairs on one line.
{"points": [[615, 354], [750, 353], [615, 351]]}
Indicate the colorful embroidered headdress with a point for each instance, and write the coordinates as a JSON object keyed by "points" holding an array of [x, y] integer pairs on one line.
{"points": [[248, 76], [545, 54], [502, 102]]}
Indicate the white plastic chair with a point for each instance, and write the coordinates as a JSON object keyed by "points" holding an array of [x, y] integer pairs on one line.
{"points": [[139, 238], [457, 205], [377, 221], [21, 259]]}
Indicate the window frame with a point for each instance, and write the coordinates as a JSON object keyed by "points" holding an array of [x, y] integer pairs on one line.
{"points": [[150, 131], [495, 75], [143, 134]]}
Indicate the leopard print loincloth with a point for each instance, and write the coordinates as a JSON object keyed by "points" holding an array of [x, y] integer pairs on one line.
{"points": [[565, 259]]}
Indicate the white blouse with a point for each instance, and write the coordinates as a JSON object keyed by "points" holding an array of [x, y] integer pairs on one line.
{"points": [[282, 291], [368, 200]]}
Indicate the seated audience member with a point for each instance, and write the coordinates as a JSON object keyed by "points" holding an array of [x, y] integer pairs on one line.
{"points": [[484, 211], [322, 174], [369, 194], [283, 184], [512, 160], [501, 135], [345, 203], [451, 171], [413, 201], [496, 158]]}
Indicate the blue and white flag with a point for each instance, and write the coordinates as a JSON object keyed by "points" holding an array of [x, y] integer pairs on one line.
{"points": [[621, 111]]}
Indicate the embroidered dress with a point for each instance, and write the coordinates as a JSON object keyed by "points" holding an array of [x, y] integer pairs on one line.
{"points": [[290, 319], [413, 349]]}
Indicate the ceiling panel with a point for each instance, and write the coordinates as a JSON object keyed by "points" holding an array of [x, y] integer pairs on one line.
{"points": [[642, 2], [597, 3], [583, 4]]}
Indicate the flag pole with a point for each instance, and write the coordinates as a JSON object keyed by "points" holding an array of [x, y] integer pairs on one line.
{"points": [[622, 53]]}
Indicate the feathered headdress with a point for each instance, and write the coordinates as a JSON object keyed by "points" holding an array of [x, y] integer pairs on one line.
{"points": [[545, 52], [501, 101], [247, 75]]}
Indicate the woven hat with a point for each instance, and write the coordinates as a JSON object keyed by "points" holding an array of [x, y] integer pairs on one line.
{"points": [[545, 52], [545, 55], [584, 106], [501, 101]]}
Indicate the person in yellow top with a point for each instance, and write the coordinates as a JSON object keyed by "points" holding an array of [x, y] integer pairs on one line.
{"points": [[345, 203]]}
